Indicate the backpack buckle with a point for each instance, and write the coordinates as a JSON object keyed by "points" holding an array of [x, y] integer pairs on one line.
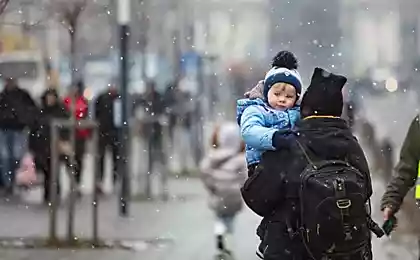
{"points": [[347, 232], [343, 203]]}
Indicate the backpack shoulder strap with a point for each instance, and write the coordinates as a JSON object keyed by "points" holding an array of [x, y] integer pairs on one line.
{"points": [[305, 153], [322, 163]]}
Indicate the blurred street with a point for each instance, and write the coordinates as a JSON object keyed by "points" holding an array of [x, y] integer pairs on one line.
{"points": [[181, 228], [184, 226], [156, 79]]}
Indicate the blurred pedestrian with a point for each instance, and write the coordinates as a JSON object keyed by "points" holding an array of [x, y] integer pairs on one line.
{"points": [[108, 130], [179, 107], [154, 106], [350, 112], [153, 130], [17, 112], [407, 173], [177, 102], [170, 102], [40, 137], [80, 112], [223, 171]]}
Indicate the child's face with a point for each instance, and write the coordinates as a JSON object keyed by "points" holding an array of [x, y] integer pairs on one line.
{"points": [[282, 96]]}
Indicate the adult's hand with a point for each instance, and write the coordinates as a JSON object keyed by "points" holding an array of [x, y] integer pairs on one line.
{"points": [[388, 212]]}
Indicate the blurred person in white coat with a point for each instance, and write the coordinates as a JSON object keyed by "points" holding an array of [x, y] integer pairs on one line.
{"points": [[223, 171]]}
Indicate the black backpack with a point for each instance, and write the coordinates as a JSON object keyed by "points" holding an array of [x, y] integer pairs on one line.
{"points": [[335, 220]]}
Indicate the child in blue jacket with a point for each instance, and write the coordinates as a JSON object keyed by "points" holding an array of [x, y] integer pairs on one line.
{"points": [[263, 121]]}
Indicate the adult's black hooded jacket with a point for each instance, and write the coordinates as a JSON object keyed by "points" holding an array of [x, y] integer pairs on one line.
{"points": [[324, 138]]}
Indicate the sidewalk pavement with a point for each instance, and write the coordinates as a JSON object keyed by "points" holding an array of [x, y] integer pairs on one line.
{"points": [[184, 222]]}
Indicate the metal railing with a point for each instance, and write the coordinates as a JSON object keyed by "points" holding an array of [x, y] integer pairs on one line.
{"points": [[141, 138], [56, 126]]}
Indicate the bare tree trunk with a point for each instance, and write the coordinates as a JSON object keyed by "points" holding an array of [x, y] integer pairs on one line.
{"points": [[3, 5], [73, 56]]}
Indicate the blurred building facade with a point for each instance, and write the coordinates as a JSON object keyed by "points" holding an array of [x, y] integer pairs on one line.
{"points": [[310, 29], [374, 38], [382, 41]]}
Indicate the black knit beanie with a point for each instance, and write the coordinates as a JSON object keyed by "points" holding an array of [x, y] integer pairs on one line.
{"points": [[323, 96]]}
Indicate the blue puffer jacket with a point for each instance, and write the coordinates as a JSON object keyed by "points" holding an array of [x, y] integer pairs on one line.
{"points": [[258, 122]]}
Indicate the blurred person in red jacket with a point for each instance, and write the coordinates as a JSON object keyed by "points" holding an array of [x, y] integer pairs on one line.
{"points": [[81, 112]]}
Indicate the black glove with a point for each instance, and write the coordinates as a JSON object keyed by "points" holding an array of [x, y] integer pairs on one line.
{"points": [[282, 139]]}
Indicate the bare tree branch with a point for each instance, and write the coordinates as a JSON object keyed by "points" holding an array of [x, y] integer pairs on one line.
{"points": [[69, 13], [34, 24], [100, 9], [12, 9], [3, 5]]}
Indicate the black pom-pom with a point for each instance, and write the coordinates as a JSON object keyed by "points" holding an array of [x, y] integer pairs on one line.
{"points": [[285, 59]]}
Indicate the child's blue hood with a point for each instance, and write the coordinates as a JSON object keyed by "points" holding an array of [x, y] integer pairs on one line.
{"points": [[242, 104]]}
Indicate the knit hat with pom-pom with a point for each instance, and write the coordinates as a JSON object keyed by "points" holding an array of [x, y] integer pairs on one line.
{"points": [[284, 69]]}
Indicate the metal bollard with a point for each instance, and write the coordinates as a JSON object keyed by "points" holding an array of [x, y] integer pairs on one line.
{"points": [[96, 184], [149, 168], [197, 137], [53, 184], [56, 125]]}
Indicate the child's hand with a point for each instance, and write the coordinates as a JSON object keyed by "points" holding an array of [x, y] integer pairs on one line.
{"points": [[256, 92]]}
